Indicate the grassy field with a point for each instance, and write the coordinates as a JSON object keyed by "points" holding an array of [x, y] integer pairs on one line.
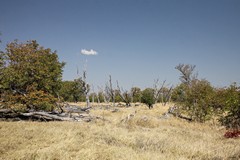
{"points": [[144, 136]]}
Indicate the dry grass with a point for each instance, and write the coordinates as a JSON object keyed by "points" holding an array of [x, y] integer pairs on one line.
{"points": [[145, 136]]}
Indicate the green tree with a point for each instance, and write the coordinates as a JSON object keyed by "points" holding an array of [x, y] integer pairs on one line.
{"points": [[178, 93], [195, 97], [2, 64], [231, 116], [148, 97], [65, 91], [72, 91], [117, 97], [198, 99], [77, 90], [32, 76]]}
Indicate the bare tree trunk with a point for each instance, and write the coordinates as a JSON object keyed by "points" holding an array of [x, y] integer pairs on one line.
{"points": [[105, 99], [93, 95], [168, 96], [98, 99], [86, 88], [110, 91], [87, 99]]}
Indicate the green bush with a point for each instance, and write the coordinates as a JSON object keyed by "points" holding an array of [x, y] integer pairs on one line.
{"points": [[148, 97], [195, 100], [72, 91], [231, 115]]}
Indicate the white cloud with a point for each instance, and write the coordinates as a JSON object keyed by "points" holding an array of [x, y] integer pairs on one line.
{"points": [[88, 52]]}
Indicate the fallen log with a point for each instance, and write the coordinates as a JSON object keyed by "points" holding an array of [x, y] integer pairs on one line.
{"points": [[6, 111], [86, 109], [11, 115], [46, 116], [76, 109], [65, 112], [174, 111]]}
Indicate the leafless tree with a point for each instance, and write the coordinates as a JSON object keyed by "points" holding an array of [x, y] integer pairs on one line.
{"points": [[187, 73], [98, 95], [102, 96], [93, 94], [125, 96], [158, 90], [86, 88], [168, 96], [110, 92]]}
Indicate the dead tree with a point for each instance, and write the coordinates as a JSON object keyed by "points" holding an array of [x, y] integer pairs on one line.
{"points": [[86, 88], [125, 96], [101, 96], [158, 91], [110, 92], [93, 94], [187, 73], [168, 96]]}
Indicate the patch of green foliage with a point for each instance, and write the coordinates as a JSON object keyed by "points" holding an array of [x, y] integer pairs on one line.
{"points": [[231, 115], [200, 101], [148, 97], [30, 75]]}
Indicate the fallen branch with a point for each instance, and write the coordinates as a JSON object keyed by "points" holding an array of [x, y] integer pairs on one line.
{"points": [[174, 111], [46, 116], [71, 115]]}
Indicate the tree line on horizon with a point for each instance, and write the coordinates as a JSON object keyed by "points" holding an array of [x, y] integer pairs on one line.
{"points": [[31, 79]]}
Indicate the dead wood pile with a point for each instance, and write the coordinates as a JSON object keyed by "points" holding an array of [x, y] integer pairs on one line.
{"points": [[67, 113]]}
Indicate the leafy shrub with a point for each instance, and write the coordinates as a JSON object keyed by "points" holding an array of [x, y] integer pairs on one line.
{"points": [[195, 100], [148, 97], [231, 115]]}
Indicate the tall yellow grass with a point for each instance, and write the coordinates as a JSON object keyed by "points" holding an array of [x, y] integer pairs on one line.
{"points": [[145, 136]]}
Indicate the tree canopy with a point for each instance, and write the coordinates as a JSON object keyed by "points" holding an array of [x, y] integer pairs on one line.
{"points": [[72, 91], [31, 75]]}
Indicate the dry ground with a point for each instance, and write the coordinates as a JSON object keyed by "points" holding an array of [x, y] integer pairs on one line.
{"points": [[143, 137]]}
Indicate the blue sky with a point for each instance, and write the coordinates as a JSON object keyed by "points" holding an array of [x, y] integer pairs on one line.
{"points": [[137, 41]]}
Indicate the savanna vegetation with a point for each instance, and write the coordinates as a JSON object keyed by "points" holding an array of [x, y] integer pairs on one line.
{"points": [[145, 135], [128, 124]]}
